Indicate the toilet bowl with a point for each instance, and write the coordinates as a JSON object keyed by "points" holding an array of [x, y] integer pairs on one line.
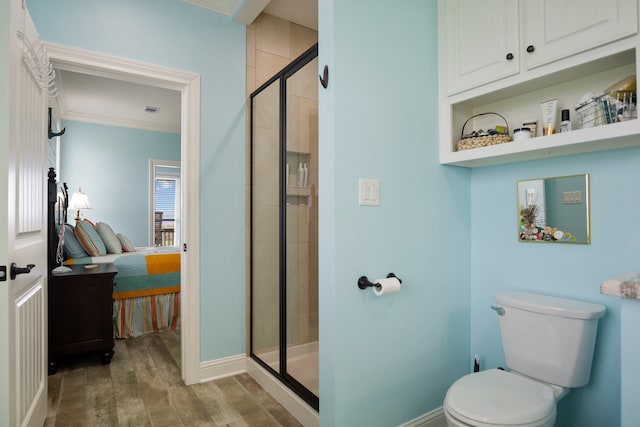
{"points": [[499, 398]]}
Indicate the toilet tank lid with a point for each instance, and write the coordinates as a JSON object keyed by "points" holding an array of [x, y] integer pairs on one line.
{"points": [[550, 305]]}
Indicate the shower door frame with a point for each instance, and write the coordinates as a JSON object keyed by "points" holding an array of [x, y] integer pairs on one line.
{"points": [[283, 376]]}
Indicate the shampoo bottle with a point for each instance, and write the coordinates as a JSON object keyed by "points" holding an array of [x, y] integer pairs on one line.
{"points": [[300, 176], [305, 180], [287, 175]]}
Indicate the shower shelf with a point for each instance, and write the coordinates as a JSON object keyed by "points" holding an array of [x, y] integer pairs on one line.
{"points": [[298, 191]]}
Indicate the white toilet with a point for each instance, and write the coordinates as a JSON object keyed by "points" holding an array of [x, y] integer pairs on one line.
{"points": [[548, 346]]}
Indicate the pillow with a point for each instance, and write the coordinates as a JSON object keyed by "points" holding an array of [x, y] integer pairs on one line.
{"points": [[109, 238], [127, 245], [72, 247], [89, 239]]}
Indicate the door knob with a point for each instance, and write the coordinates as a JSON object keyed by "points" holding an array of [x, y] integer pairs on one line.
{"points": [[15, 270]]}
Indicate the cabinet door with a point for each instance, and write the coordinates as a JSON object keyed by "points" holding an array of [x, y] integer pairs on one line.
{"points": [[480, 42], [557, 29]]}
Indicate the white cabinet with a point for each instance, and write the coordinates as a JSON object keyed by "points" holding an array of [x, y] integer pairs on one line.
{"points": [[553, 30], [579, 46], [481, 39]]}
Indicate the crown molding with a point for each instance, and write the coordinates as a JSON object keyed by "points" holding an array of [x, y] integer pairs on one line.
{"points": [[120, 122], [226, 7], [242, 12]]}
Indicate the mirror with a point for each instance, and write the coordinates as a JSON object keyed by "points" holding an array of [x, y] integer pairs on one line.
{"points": [[554, 210]]}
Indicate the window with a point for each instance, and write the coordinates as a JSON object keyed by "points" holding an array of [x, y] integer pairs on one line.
{"points": [[165, 211]]}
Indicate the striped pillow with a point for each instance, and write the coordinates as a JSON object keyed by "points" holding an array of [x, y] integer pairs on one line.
{"points": [[127, 244], [89, 239], [109, 238], [72, 247]]}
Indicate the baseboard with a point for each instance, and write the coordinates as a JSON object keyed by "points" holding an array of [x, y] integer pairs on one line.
{"points": [[224, 367], [291, 402], [434, 418]]}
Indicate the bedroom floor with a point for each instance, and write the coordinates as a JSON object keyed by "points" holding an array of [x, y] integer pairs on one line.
{"points": [[142, 387]]}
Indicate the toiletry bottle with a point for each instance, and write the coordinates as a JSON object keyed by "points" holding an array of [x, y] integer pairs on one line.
{"points": [[305, 180], [287, 176], [549, 109], [532, 125], [565, 125], [300, 176]]}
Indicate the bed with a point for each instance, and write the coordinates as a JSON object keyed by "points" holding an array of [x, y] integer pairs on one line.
{"points": [[147, 292]]}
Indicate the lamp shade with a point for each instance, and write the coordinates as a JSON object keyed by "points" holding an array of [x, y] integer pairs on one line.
{"points": [[79, 200]]}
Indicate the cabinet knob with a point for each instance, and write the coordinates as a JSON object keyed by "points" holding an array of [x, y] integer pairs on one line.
{"points": [[509, 56], [530, 48]]}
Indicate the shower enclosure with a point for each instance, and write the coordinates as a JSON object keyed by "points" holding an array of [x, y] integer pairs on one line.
{"points": [[284, 226]]}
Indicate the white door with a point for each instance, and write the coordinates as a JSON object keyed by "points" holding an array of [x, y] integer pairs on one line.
{"points": [[23, 299]]}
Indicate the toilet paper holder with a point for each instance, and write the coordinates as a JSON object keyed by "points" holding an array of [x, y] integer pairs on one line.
{"points": [[364, 283]]}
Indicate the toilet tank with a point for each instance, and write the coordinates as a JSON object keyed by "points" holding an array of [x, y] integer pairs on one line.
{"points": [[548, 338]]}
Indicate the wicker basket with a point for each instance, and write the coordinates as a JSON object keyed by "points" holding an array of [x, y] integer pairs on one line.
{"points": [[485, 140]]}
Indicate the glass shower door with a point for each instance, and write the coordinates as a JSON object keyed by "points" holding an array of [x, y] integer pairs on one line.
{"points": [[302, 226], [265, 226], [284, 226]]}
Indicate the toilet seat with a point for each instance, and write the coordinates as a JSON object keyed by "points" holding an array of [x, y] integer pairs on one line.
{"points": [[499, 398]]}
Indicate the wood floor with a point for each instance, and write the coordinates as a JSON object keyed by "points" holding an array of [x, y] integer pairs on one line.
{"points": [[142, 387]]}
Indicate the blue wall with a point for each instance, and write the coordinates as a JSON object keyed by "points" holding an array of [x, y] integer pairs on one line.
{"points": [[499, 261], [178, 35], [386, 360], [111, 165], [630, 319], [382, 126]]}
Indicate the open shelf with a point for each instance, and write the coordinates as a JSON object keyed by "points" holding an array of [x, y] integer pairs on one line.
{"points": [[298, 191], [518, 100], [607, 137]]}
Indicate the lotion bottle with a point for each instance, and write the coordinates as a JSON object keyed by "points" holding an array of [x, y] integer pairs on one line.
{"points": [[549, 117]]}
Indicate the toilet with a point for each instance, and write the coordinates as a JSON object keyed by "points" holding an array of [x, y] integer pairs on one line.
{"points": [[548, 347]]}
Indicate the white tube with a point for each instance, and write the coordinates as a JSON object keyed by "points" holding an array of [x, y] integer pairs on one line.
{"points": [[549, 112]]}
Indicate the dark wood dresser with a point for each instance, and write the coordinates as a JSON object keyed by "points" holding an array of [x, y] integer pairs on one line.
{"points": [[81, 313]]}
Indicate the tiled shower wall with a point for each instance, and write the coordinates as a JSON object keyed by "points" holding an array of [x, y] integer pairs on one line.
{"points": [[272, 43]]}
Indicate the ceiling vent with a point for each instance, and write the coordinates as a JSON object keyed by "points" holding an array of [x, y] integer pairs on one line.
{"points": [[151, 109]]}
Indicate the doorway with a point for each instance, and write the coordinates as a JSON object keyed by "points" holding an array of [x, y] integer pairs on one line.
{"points": [[188, 84], [284, 226]]}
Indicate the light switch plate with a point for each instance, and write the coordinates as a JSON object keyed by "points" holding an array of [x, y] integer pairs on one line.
{"points": [[572, 197], [369, 192]]}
